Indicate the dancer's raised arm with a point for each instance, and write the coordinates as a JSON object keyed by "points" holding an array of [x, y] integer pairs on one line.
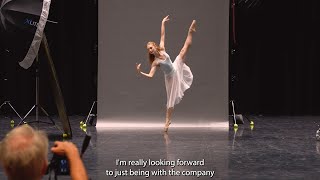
{"points": [[163, 32]]}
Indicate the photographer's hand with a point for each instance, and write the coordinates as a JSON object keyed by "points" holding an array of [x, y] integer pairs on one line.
{"points": [[64, 148], [68, 149]]}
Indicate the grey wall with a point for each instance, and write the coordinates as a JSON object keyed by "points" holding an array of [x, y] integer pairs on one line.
{"points": [[125, 26]]}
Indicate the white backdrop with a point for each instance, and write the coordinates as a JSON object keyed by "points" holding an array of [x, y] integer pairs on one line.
{"points": [[127, 99]]}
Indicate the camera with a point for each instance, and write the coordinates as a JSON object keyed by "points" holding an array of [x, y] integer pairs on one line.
{"points": [[59, 165]]}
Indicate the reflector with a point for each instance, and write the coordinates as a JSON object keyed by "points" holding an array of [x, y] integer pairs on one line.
{"points": [[23, 14], [28, 15], [13, 36]]}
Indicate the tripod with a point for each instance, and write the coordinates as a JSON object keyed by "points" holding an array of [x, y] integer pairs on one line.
{"points": [[6, 102], [37, 105]]}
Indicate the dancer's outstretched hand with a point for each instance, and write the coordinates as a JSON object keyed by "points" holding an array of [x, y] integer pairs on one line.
{"points": [[165, 19], [193, 26], [138, 67]]}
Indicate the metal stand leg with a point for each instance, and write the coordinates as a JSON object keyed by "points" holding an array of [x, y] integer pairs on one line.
{"points": [[8, 103], [233, 113], [6, 84], [36, 107], [90, 115], [237, 118]]}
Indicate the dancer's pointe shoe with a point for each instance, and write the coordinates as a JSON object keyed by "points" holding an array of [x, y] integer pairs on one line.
{"points": [[166, 126], [193, 26]]}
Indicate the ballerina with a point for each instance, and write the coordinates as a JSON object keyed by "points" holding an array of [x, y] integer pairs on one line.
{"points": [[178, 76]]}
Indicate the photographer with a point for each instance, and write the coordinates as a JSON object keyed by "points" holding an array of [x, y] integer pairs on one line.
{"points": [[24, 155]]}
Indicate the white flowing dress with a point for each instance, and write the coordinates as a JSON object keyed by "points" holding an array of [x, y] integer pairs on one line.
{"points": [[178, 78]]}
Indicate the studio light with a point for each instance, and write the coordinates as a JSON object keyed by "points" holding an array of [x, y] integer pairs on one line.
{"points": [[22, 22]]}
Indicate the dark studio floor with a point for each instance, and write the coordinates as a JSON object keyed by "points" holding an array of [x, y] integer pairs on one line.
{"points": [[276, 148]]}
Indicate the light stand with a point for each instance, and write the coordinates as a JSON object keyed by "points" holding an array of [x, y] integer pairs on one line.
{"points": [[17, 10], [237, 118], [37, 105]]}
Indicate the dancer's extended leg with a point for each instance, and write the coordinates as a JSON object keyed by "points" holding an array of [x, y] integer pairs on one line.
{"points": [[188, 41]]}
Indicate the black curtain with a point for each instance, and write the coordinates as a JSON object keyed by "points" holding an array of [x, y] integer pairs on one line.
{"points": [[274, 62], [73, 45]]}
